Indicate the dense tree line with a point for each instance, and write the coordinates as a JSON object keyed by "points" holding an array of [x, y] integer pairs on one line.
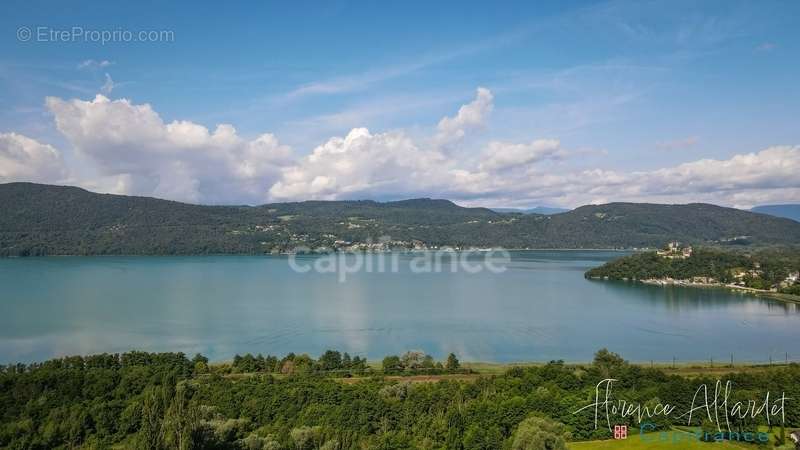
{"points": [[329, 362], [416, 362], [168, 401], [56, 220]]}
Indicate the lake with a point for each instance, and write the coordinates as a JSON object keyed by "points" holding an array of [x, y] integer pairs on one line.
{"points": [[540, 308]]}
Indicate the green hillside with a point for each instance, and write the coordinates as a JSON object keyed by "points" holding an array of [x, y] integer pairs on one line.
{"points": [[55, 220]]}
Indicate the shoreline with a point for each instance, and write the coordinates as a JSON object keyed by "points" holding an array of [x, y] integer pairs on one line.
{"points": [[477, 249], [786, 298]]}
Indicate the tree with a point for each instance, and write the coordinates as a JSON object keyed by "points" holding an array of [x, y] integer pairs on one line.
{"points": [[539, 433], [452, 362], [392, 364], [200, 367], [306, 437], [330, 360], [182, 421], [412, 359], [332, 444], [256, 442], [347, 362], [359, 363], [478, 437], [303, 363], [608, 362], [151, 431], [287, 368], [77, 426]]}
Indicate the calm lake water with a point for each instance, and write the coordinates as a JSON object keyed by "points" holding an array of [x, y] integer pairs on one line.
{"points": [[540, 308]]}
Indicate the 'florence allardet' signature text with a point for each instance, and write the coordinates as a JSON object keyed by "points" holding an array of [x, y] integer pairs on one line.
{"points": [[718, 408]]}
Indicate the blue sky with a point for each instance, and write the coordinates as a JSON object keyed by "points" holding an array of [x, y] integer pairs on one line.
{"points": [[624, 93]]}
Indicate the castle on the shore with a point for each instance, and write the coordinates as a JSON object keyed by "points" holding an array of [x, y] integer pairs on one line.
{"points": [[673, 250]]}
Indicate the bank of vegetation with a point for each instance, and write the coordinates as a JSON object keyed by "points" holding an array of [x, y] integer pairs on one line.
{"points": [[169, 401], [771, 270]]}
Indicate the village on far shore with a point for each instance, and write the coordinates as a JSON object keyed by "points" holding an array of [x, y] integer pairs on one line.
{"points": [[674, 250], [756, 272]]}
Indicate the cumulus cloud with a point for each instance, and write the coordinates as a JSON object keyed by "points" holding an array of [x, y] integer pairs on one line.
{"points": [[134, 151], [132, 146], [25, 159], [471, 115], [362, 164], [772, 168], [392, 165], [381, 165], [506, 155], [743, 180]]}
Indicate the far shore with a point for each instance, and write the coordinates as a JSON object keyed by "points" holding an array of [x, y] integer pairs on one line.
{"points": [[732, 287], [477, 249], [788, 298]]}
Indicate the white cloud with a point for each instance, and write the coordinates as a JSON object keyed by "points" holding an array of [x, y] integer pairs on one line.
{"points": [[134, 149], [108, 86], [135, 152], [362, 165], [506, 155], [25, 159], [393, 165], [94, 64], [471, 115], [768, 176], [772, 168]]}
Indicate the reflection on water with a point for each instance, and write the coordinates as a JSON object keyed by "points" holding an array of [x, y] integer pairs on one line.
{"points": [[678, 297], [541, 308]]}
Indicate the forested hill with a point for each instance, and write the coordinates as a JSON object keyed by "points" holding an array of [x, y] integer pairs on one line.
{"points": [[55, 220]]}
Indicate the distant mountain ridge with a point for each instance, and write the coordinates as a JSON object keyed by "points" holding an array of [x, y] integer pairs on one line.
{"points": [[789, 211], [546, 210], [58, 220]]}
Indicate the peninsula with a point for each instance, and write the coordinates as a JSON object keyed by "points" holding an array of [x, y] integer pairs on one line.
{"points": [[766, 271]]}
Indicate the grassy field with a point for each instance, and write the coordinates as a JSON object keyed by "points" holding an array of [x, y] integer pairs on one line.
{"points": [[637, 443], [687, 369], [693, 368]]}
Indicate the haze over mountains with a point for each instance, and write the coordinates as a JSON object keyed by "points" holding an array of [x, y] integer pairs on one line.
{"points": [[788, 211], [56, 220], [546, 210]]}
